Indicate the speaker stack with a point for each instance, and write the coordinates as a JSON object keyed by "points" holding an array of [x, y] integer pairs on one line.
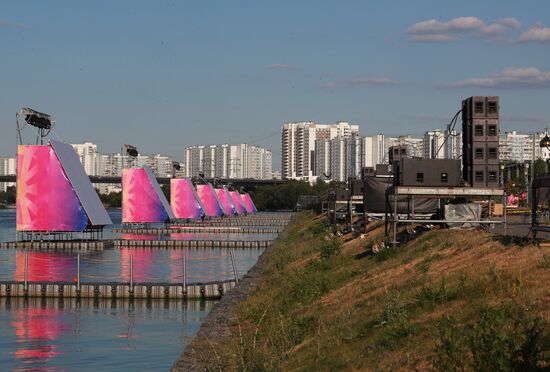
{"points": [[480, 152]]}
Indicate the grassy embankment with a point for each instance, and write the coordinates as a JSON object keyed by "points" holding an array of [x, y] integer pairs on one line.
{"points": [[449, 300]]}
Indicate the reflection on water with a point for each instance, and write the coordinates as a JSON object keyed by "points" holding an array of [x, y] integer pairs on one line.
{"points": [[149, 265], [199, 236], [53, 334]]}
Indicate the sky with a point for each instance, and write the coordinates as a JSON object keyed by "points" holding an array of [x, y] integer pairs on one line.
{"points": [[162, 75]]}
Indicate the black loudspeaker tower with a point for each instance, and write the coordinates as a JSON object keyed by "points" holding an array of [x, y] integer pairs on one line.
{"points": [[480, 141]]}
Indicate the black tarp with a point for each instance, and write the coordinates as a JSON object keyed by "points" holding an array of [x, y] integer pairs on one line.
{"points": [[374, 198]]}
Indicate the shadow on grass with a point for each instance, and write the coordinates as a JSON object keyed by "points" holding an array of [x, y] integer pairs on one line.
{"points": [[509, 240]]}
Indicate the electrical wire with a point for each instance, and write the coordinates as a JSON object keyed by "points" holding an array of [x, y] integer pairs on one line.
{"points": [[450, 129]]}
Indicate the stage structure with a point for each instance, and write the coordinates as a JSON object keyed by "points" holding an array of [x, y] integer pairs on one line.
{"points": [[227, 201], [210, 201], [184, 199], [55, 198], [249, 203], [239, 205], [143, 201]]}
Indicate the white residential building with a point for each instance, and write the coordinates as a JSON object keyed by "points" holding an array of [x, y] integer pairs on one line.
{"points": [[518, 147], [298, 146], [87, 152], [8, 167], [228, 161], [433, 144]]}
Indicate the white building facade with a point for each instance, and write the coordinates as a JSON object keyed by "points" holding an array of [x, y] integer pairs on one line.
{"points": [[298, 142], [228, 161]]}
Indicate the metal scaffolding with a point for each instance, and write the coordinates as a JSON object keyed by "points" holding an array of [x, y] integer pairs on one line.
{"points": [[392, 217]]}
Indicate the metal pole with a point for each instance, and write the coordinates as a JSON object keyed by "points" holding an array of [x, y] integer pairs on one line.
{"points": [[26, 274], [184, 274], [395, 218], [131, 271], [234, 266], [505, 213], [78, 272]]}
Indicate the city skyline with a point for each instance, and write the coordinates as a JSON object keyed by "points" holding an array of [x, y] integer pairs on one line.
{"points": [[168, 75]]}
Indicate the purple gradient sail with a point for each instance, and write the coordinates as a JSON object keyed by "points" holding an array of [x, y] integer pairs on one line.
{"points": [[248, 203], [46, 200], [184, 199], [226, 201], [237, 201], [142, 202], [211, 203]]}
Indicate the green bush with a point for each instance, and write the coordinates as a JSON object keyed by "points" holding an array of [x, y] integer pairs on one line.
{"points": [[506, 338], [394, 317], [330, 248]]}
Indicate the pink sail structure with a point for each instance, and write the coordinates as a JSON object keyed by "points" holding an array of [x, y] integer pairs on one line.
{"points": [[211, 203], [248, 203], [53, 192], [184, 199], [239, 205], [227, 201], [142, 199]]}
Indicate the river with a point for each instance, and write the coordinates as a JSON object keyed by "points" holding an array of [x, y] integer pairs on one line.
{"points": [[88, 335]]}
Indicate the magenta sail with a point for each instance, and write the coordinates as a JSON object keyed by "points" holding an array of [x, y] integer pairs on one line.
{"points": [[237, 201], [53, 192], [46, 200], [211, 203], [142, 199], [226, 201], [248, 203], [184, 199]]}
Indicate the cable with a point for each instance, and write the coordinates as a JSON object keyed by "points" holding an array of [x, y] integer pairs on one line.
{"points": [[450, 129]]}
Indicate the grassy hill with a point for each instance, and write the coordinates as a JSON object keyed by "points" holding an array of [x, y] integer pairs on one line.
{"points": [[448, 300]]}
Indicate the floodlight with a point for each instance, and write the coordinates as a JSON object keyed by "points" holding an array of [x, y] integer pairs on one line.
{"points": [[36, 119], [131, 151]]}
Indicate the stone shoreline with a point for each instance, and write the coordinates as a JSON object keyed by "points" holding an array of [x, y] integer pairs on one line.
{"points": [[216, 326]]}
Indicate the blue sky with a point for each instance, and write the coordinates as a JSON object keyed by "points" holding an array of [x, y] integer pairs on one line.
{"points": [[166, 74]]}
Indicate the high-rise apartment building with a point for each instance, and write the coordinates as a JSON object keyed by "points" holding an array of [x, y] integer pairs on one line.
{"points": [[87, 153], [519, 147], [228, 161], [298, 146], [7, 168], [433, 147]]}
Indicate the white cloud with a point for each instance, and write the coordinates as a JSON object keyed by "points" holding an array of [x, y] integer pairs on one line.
{"points": [[279, 66], [511, 77], [7, 24], [538, 34], [360, 82], [458, 28]]}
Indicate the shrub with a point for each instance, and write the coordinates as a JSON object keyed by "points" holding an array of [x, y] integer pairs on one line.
{"points": [[330, 248], [506, 338], [394, 317]]}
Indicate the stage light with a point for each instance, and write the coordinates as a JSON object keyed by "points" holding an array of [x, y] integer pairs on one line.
{"points": [[36, 119], [131, 151]]}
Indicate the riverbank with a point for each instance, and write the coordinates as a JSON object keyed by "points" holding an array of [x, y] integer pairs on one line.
{"points": [[448, 300]]}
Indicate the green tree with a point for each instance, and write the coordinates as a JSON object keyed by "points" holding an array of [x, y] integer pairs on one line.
{"points": [[541, 167], [285, 196]]}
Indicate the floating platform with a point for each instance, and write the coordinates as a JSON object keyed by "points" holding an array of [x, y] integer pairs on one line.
{"points": [[57, 245], [149, 291], [202, 229], [230, 222], [193, 243]]}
